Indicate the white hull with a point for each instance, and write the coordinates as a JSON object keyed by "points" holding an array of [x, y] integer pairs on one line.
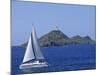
{"points": [[33, 65]]}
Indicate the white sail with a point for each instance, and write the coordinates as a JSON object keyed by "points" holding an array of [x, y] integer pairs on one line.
{"points": [[29, 52], [37, 51], [33, 52], [33, 49]]}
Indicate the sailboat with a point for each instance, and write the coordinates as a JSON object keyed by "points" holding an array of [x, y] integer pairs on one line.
{"points": [[33, 56]]}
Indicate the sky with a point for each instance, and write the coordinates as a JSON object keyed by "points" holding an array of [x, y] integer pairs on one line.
{"points": [[70, 19]]}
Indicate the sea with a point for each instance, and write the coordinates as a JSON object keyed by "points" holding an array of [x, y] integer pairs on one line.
{"points": [[64, 58]]}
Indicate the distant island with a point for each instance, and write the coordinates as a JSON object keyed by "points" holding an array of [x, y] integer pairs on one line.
{"points": [[58, 38]]}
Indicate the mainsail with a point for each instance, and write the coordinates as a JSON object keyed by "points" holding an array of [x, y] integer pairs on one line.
{"points": [[33, 49]]}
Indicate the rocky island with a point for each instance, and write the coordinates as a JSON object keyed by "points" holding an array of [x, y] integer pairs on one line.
{"points": [[58, 38]]}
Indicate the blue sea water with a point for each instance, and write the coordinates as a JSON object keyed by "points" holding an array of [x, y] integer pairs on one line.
{"points": [[65, 58]]}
